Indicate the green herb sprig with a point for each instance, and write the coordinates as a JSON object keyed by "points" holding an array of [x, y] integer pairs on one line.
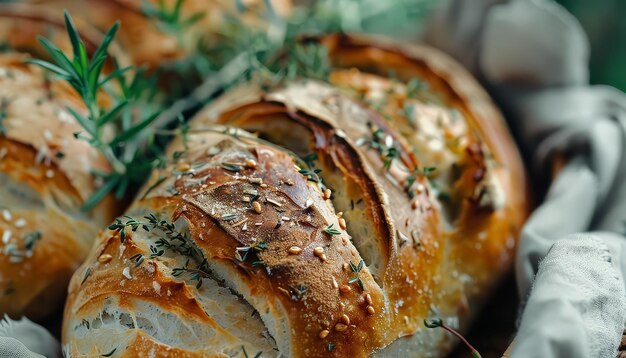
{"points": [[170, 19], [357, 269], [130, 165]]}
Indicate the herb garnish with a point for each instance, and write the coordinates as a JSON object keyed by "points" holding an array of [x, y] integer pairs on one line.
{"points": [[332, 231], [170, 19], [311, 172], [383, 143], [130, 164], [410, 180], [357, 269], [434, 323]]}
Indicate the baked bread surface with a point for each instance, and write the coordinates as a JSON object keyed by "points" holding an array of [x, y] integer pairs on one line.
{"points": [[45, 177], [242, 246]]}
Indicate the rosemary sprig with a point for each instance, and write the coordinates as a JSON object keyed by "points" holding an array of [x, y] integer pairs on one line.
{"points": [[434, 323], [129, 163]]}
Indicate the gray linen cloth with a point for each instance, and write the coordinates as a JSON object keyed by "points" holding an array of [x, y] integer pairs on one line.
{"points": [[532, 56]]}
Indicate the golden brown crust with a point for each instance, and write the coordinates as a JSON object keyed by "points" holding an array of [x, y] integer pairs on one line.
{"points": [[45, 175], [424, 255], [147, 41]]}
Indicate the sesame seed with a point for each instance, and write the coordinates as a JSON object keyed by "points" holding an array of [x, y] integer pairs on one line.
{"points": [[244, 227], [345, 266], [20, 223], [272, 201], [420, 188], [249, 163], [327, 194], [47, 135], [340, 327], [6, 236], [295, 250], [255, 180], [345, 319], [335, 284], [285, 218], [183, 167], [371, 310], [368, 299], [126, 273], [6, 215], [256, 206], [318, 251], [345, 288], [342, 223], [263, 185], [308, 203], [104, 258], [324, 333]]}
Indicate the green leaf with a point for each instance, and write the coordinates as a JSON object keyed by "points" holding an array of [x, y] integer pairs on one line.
{"points": [[133, 131], [73, 35], [112, 114], [102, 50], [50, 67], [101, 192], [88, 125]]}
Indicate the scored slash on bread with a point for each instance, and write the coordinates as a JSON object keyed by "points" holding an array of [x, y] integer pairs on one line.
{"points": [[242, 245]]}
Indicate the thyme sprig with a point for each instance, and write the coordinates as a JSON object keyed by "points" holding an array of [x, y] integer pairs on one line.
{"points": [[357, 269], [170, 19], [85, 75], [413, 175], [311, 172], [438, 322], [383, 143]]}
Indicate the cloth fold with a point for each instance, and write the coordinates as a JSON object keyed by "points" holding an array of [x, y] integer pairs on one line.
{"points": [[532, 57]]}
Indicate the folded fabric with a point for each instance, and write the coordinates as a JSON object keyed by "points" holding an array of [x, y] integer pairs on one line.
{"points": [[532, 56], [25, 339]]}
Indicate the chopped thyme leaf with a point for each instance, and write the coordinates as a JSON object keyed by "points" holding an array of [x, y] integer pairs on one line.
{"points": [[233, 167], [138, 258], [229, 217], [330, 347], [332, 231], [86, 275], [383, 143], [4, 105], [30, 239]]}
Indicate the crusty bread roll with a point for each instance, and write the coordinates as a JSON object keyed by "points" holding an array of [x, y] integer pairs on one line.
{"points": [[151, 42], [242, 247], [45, 177]]}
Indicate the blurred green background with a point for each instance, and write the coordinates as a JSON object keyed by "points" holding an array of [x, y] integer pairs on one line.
{"points": [[604, 22]]}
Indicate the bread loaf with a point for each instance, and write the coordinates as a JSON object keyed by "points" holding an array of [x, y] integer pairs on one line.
{"points": [[45, 177], [308, 219], [149, 39]]}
